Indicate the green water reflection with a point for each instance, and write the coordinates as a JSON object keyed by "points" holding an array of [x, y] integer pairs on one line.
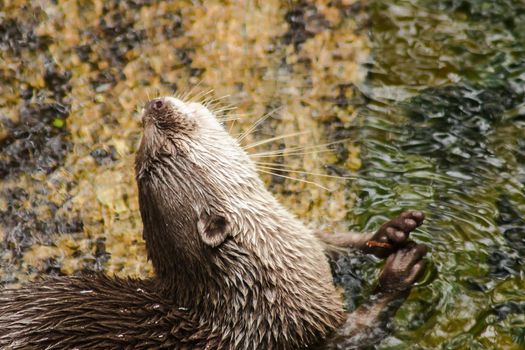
{"points": [[443, 131]]}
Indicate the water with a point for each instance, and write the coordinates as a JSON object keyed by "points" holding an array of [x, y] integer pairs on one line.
{"points": [[431, 105], [442, 130]]}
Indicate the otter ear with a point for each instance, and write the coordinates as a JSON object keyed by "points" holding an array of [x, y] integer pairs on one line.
{"points": [[212, 228]]}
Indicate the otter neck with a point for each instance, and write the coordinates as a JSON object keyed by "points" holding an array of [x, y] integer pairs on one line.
{"points": [[271, 272]]}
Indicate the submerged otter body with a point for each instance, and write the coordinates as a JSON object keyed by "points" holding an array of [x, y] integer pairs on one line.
{"points": [[234, 269]]}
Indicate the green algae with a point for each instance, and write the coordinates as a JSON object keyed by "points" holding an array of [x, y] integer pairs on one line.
{"points": [[58, 123]]}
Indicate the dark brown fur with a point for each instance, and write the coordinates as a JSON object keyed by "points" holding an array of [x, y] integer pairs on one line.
{"points": [[234, 269], [95, 312]]}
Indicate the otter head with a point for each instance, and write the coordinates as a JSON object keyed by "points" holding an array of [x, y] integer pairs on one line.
{"points": [[191, 174]]}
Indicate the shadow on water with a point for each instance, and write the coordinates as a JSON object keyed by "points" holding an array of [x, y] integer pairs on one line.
{"points": [[442, 131]]}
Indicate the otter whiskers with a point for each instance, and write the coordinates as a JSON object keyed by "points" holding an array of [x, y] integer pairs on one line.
{"points": [[282, 167], [276, 138], [257, 123], [295, 179]]}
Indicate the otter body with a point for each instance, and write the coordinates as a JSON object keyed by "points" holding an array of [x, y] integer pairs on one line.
{"points": [[95, 312], [233, 268]]}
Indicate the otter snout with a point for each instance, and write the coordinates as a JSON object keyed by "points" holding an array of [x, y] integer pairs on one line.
{"points": [[169, 115], [154, 108], [157, 104]]}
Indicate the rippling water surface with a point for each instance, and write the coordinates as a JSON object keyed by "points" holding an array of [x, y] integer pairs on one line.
{"points": [[442, 129]]}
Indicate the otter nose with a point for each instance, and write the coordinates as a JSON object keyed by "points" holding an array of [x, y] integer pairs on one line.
{"points": [[156, 105]]}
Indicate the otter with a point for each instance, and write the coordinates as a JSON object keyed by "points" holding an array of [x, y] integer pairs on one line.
{"points": [[233, 268]]}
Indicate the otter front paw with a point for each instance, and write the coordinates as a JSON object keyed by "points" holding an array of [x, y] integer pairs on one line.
{"points": [[394, 234], [402, 269]]}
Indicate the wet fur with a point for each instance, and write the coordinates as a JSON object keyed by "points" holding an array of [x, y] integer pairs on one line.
{"points": [[245, 273], [95, 312]]}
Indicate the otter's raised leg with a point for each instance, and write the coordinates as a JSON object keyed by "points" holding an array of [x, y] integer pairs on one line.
{"points": [[390, 237], [367, 325]]}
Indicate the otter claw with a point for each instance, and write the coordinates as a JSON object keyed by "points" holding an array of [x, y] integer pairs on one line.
{"points": [[371, 244], [394, 234]]}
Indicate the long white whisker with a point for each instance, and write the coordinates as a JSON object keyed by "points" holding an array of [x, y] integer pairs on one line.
{"points": [[305, 172], [229, 118], [284, 153], [216, 99], [231, 126], [232, 116], [296, 149], [293, 178], [185, 92], [181, 92], [257, 123], [187, 96], [222, 110], [200, 95], [259, 143]]}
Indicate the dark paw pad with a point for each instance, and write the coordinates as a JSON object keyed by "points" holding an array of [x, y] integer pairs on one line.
{"points": [[403, 268], [395, 233]]}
